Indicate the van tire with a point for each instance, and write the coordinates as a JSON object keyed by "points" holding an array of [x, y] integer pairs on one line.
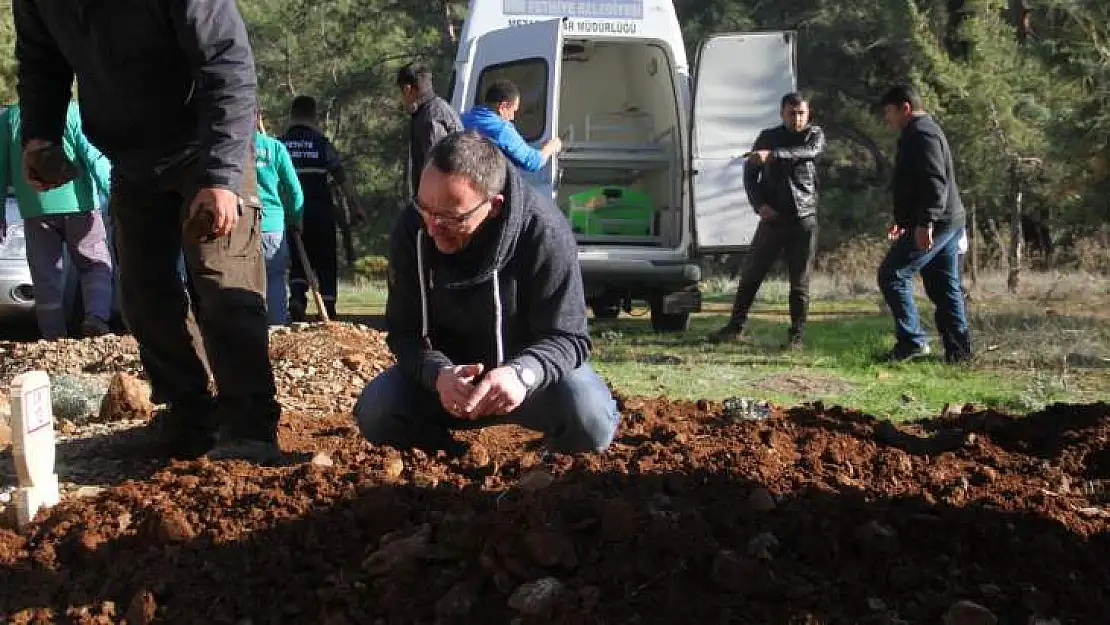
{"points": [[675, 322], [605, 310]]}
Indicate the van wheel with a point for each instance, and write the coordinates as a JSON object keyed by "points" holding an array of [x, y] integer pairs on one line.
{"points": [[674, 322], [605, 310]]}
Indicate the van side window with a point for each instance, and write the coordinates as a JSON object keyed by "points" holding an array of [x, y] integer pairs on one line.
{"points": [[530, 76]]}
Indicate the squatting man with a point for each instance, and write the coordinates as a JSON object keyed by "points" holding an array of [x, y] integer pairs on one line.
{"points": [[485, 314]]}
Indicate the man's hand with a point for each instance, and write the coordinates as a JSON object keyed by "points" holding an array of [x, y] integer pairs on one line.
{"points": [[499, 393], [554, 144], [759, 156], [455, 385], [46, 166], [923, 237], [212, 214], [767, 213], [895, 232]]}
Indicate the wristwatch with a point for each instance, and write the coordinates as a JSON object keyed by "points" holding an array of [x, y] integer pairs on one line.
{"points": [[526, 376]]}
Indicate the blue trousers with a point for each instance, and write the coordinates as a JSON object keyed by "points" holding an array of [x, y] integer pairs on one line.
{"points": [[940, 272], [275, 251], [577, 414]]}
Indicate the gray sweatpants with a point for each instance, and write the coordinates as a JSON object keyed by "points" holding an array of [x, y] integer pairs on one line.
{"points": [[83, 235]]}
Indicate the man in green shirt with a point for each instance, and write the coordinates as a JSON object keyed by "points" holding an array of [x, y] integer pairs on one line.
{"points": [[66, 217], [282, 202]]}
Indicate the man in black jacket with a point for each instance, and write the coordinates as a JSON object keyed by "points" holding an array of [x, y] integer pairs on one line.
{"points": [[168, 95], [486, 313], [928, 223], [781, 181], [432, 119]]}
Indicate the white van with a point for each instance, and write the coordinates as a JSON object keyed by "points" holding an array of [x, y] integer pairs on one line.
{"points": [[651, 174]]}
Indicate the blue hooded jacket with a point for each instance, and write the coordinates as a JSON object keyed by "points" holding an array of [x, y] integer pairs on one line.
{"points": [[504, 135]]}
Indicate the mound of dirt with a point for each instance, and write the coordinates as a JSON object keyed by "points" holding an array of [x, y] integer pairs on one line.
{"points": [[813, 515], [321, 368]]}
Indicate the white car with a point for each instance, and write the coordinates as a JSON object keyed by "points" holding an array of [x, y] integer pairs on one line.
{"points": [[17, 294]]}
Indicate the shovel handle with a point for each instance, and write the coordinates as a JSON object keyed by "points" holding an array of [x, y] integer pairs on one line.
{"points": [[313, 282]]}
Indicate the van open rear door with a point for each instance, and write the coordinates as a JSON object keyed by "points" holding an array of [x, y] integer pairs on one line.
{"points": [[530, 55], [739, 83]]}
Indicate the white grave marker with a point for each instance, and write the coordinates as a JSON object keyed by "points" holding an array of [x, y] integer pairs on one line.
{"points": [[33, 445]]}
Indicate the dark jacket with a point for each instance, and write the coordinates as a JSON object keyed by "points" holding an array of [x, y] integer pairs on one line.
{"points": [[924, 184], [521, 268], [161, 83], [314, 158], [432, 120], [788, 182]]}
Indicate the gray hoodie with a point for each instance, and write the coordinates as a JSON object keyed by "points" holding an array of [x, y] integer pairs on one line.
{"points": [[513, 295]]}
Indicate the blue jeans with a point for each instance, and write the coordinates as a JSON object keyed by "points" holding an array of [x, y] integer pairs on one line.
{"points": [[940, 272], [578, 414], [275, 250]]}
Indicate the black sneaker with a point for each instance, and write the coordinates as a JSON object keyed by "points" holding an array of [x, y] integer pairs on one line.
{"points": [[256, 451], [94, 326], [248, 431], [957, 358], [184, 430], [728, 334], [794, 341], [298, 312], [901, 353]]}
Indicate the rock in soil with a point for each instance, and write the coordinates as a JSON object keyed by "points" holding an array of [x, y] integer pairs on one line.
{"points": [[537, 597], [127, 399], [968, 613], [77, 398], [870, 524]]}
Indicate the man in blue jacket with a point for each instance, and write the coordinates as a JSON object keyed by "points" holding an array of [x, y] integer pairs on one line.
{"points": [[494, 119], [486, 314]]}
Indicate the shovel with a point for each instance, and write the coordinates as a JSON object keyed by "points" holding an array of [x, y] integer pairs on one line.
{"points": [[313, 282]]}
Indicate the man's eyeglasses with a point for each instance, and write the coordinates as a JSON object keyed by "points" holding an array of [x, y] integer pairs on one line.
{"points": [[455, 222]]}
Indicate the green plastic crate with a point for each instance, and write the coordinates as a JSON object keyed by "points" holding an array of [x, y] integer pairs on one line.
{"points": [[612, 211]]}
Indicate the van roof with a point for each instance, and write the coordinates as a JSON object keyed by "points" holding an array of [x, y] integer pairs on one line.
{"points": [[596, 19]]}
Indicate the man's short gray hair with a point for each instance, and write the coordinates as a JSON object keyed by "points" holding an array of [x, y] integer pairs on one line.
{"points": [[474, 157]]}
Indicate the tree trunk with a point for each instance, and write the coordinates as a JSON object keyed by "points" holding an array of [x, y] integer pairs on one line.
{"points": [[999, 242], [973, 253], [1015, 231]]}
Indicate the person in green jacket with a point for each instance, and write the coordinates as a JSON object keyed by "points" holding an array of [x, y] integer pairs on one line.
{"points": [[282, 203], [67, 217]]}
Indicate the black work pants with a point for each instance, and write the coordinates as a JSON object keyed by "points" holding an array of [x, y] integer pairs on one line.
{"points": [[797, 238], [320, 241], [228, 283]]}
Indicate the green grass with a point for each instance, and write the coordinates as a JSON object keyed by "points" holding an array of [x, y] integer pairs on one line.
{"points": [[1025, 357], [364, 299]]}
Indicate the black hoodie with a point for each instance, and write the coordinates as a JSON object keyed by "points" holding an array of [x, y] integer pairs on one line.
{"points": [[513, 295]]}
